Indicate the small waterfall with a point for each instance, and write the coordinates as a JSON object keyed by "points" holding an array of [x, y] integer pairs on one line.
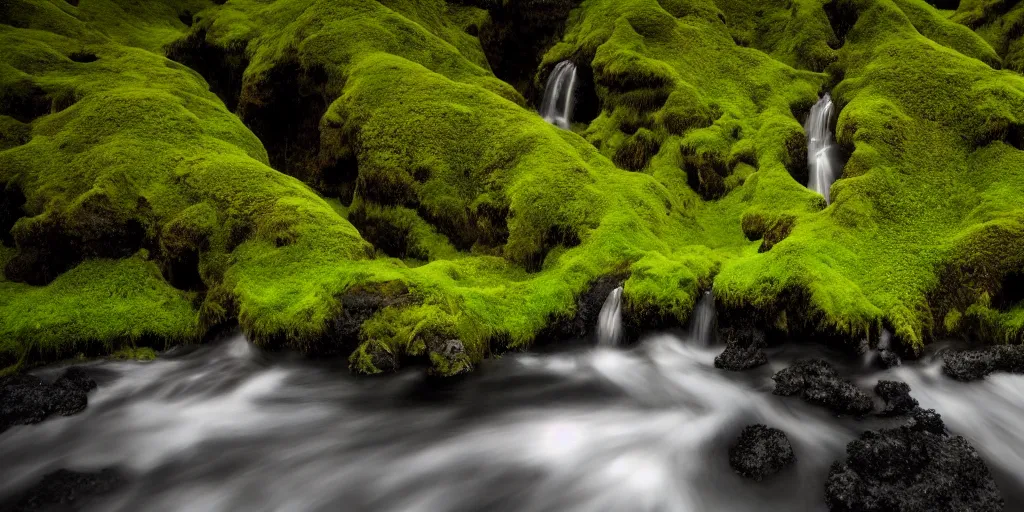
{"points": [[558, 95], [609, 321], [702, 326], [820, 147]]}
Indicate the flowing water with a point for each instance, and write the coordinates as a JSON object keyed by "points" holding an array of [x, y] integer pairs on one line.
{"points": [[821, 157], [702, 326], [609, 321], [559, 95], [228, 427]]}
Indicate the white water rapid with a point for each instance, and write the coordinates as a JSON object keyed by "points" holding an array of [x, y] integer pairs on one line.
{"points": [[559, 95]]}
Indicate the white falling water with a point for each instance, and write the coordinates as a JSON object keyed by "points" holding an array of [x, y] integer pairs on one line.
{"points": [[702, 326], [820, 146], [558, 95], [609, 321]]}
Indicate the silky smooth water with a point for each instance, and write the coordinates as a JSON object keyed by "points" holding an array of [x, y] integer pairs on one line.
{"points": [[821, 159], [228, 427], [559, 95], [609, 320], [702, 325]]}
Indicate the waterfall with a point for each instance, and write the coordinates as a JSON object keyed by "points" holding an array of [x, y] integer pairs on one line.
{"points": [[820, 147], [558, 95], [609, 321], [702, 326]]}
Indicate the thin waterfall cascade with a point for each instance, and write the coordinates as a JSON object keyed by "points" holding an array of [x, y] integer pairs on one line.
{"points": [[559, 95], [702, 326], [609, 321], [821, 147]]}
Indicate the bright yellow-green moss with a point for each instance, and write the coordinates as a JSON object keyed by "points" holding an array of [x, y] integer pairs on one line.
{"points": [[495, 221]]}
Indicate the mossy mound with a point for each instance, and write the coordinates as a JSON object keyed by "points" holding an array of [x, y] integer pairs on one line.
{"points": [[350, 177]]}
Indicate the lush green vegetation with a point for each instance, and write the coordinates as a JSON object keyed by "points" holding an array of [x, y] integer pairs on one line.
{"points": [[360, 182]]}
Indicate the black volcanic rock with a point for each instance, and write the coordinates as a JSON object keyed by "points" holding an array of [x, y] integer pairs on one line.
{"points": [[760, 452], [26, 399], [912, 468], [743, 349], [818, 383], [897, 398], [65, 490], [971, 365]]}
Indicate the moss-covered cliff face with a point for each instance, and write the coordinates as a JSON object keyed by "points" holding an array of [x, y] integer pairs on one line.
{"points": [[370, 179]]}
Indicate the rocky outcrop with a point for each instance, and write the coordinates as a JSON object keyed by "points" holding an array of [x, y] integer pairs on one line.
{"points": [[448, 357], [761, 451], [26, 399], [971, 365], [743, 349], [818, 383], [915, 467]]}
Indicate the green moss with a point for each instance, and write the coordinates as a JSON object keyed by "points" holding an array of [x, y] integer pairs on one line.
{"points": [[489, 220]]}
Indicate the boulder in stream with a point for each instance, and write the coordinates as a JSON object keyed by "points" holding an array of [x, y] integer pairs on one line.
{"points": [[27, 399], [743, 349], [968, 365], [760, 451], [912, 468], [818, 383], [897, 398]]}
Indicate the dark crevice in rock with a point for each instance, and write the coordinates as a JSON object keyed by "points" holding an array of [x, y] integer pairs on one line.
{"points": [[564, 236], [1011, 291], [12, 202], [72, 2], [83, 57], [186, 18], [383, 233], [65, 490], [283, 107], [223, 68], [705, 173], [951, 4], [842, 16], [24, 100], [51, 244], [518, 35], [769, 230], [637, 151], [182, 271]]}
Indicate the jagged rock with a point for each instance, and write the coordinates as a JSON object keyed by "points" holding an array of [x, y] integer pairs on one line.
{"points": [[897, 398], [448, 357], [971, 365], [26, 399], [915, 467], [760, 452], [818, 383], [742, 349], [65, 490]]}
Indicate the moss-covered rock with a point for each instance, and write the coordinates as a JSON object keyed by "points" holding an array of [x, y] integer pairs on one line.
{"points": [[172, 166]]}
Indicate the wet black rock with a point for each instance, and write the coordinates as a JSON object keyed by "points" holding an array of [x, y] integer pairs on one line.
{"points": [[743, 349], [897, 398], [888, 359], [588, 308], [27, 399], [915, 467], [65, 490], [971, 365], [760, 452], [818, 383]]}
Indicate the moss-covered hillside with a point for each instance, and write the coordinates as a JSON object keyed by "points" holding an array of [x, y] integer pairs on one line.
{"points": [[370, 178]]}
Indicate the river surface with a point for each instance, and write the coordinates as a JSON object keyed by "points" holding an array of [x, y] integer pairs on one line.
{"points": [[229, 427]]}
